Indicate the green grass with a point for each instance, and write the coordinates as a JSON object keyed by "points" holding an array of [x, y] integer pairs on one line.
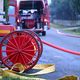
{"points": [[57, 26], [13, 78], [75, 31], [71, 30], [9, 78], [0, 77]]}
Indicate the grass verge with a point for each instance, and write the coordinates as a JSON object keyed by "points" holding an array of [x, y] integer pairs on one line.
{"points": [[71, 30]]}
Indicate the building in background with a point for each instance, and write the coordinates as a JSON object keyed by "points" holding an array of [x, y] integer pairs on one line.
{"points": [[1, 8]]}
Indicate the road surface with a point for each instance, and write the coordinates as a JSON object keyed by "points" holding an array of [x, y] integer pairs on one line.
{"points": [[66, 64]]}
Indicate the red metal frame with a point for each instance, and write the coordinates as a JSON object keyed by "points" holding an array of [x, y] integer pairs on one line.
{"points": [[14, 3], [5, 29], [38, 40]]}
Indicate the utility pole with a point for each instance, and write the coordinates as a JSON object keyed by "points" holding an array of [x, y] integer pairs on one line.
{"points": [[6, 9]]}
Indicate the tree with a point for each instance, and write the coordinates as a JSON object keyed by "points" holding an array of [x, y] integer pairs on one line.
{"points": [[6, 8], [75, 5], [64, 9]]}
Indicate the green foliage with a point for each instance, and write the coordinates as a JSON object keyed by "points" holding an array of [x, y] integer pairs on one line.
{"points": [[10, 78], [64, 9], [6, 8], [75, 5]]}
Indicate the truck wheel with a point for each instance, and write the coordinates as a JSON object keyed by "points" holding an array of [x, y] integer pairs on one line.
{"points": [[44, 33]]}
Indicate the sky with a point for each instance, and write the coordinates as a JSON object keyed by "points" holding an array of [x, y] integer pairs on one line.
{"points": [[49, 1]]}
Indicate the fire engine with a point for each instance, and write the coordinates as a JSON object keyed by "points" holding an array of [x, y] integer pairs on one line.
{"points": [[31, 14]]}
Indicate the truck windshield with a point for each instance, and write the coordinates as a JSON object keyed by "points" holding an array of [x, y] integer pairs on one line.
{"points": [[26, 5]]}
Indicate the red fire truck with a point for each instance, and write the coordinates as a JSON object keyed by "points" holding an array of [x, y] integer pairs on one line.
{"points": [[34, 14]]}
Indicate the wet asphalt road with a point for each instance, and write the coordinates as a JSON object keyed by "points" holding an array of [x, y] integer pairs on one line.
{"points": [[66, 64]]}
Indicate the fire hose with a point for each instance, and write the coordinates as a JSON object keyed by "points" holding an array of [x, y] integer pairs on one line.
{"points": [[60, 48], [44, 69]]}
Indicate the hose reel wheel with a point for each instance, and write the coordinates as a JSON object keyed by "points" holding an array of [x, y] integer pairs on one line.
{"points": [[20, 47]]}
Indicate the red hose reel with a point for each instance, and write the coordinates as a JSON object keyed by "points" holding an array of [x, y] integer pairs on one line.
{"points": [[23, 47]]}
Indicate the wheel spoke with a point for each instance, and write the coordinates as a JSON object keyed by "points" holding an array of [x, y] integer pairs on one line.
{"points": [[11, 43], [23, 58], [16, 59], [19, 39], [8, 51], [26, 57], [9, 56], [23, 41], [9, 46], [13, 58], [27, 54], [27, 47], [29, 50], [27, 42], [15, 41]]}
